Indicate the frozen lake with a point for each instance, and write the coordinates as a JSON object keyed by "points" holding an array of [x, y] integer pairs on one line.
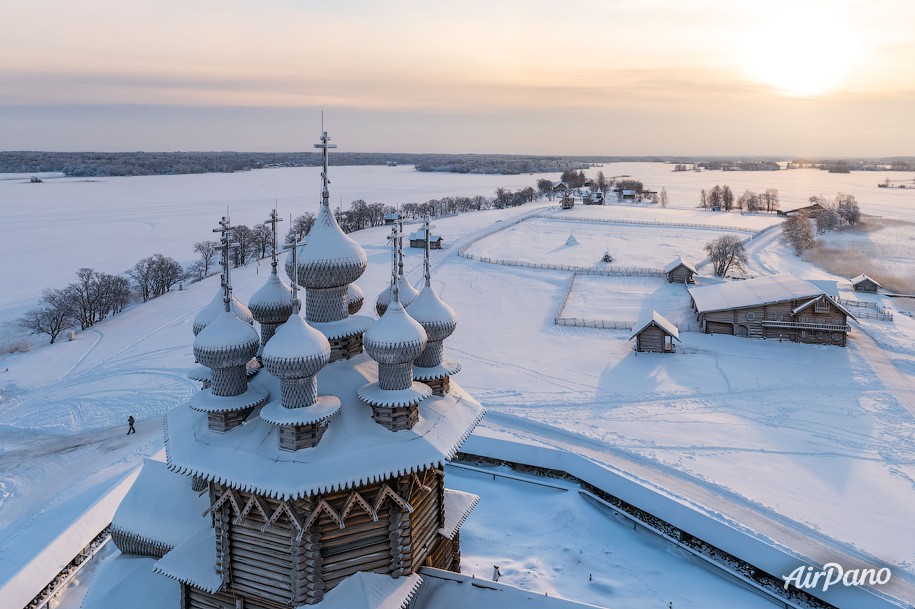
{"points": [[53, 228]]}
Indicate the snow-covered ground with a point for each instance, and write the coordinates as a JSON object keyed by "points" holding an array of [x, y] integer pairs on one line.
{"points": [[809, 446], [628, 299]]}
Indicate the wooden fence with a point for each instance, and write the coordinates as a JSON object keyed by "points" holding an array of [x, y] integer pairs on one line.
{"points": [[879, 313], [646, 223]]}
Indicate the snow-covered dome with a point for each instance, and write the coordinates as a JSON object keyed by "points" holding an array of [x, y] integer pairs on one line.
{"points": [[396, 338], [328, 258], [217, 306], [355, 298], [225, 342], [296, 350], [407, 294], [437, 318], [272, 303]]}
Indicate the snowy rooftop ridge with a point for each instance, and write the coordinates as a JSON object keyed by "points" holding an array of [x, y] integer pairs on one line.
{"points": [[458, 506], [193, 561], [863, 277], [660, 321], [678, 261], [753, 292]]}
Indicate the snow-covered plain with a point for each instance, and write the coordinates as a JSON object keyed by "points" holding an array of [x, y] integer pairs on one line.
{"points": [[809, 446]]}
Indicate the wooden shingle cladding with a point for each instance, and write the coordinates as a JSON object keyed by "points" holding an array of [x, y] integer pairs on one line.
{"points": [[863, 283], [820, 322], [276, 553]]}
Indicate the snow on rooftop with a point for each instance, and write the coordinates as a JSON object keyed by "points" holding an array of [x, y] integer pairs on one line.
{"points": [[420, 234], [458, 506], [355, 450], [658, 319], [161, 506], [864, 277], [678, 261], [363, 590], [354, 324], [129, 581], [193, 561], [752, 292]]}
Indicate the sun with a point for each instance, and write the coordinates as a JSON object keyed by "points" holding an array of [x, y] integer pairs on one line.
{"points": [[803, 52]]}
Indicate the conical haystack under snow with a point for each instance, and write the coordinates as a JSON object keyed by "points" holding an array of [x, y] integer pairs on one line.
{"points": [[571, 240]]}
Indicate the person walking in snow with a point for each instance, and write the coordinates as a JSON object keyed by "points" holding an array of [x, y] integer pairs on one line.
{"points": [[130, 428]]}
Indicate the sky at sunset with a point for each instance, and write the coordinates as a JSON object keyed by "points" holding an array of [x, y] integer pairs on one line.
{"points": [[821, 77]]}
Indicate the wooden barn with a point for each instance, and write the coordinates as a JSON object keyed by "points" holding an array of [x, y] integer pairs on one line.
{"points": [[391, 217], [567, 201], [781, 307], [655, 334], [680, 271], [418, 239], [863, 283]]}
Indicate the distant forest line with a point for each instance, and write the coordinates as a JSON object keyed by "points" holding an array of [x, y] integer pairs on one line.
{"points": [[105, 164]]}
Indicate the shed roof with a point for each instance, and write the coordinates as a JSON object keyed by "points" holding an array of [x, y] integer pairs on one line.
{"points": [[660, 321], [752, 292], [363, 590], [193, 561], [421, 234], [678, 261], [861, 278]]}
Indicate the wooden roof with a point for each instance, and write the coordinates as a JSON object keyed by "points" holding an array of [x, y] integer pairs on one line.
{"points": [[656, 319]]}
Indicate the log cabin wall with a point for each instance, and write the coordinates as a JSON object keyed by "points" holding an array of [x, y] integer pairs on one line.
{"points": [[651, 339]]}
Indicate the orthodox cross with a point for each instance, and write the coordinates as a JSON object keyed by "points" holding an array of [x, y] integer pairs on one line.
{"points": [[272, 220], [225, 244], [294, 246], [324, 146], [427, 267], [394, 238]]}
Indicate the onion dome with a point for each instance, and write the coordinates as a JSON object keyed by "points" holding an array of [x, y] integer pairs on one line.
{"points": [[296, 350], [272, 303], [396, 338], [433, 314], [226, 342], [407, 294], [328, 258], [355, 298], [217, 306]]}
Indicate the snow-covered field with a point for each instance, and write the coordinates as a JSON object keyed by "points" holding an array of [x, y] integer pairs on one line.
{"points": [[809, 447], [628, 299], [546, 241]]}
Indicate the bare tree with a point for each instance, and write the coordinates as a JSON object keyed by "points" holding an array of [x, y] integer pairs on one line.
{"points": [[749, 200], [244, 237], [156, 275], [727, 198], [827, 220], [53, 316], [847, 208], [207, 251], [714, 198], [301, 226], [703, 199], [796, 230], [662, 197], [726, 253], [770, 199], [263, 238]]}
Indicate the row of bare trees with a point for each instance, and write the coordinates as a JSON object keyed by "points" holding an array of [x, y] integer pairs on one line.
{"points": [[721, 198], [94, 296]]}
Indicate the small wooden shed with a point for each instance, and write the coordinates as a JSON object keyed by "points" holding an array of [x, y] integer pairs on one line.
{"points": [[655, 334], [418, 239], [863, 283], [391, 217], [680, 271]]}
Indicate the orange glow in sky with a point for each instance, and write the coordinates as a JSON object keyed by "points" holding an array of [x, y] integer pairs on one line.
{"points": [[580, 77]]}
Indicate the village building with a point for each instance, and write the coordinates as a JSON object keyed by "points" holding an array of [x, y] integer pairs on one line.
{"points": [[593, 198], [418, 239], [863, 283], [391, 217], [319, 481], [680, 271], [655, 334], [810, 210], [782, 307]]}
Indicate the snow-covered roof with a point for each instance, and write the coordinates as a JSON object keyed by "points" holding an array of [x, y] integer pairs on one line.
{"points": [[752, 292], [830, 288], [396, 338], [678, 261], [420, 234], [296, 350], [329, 257], [363, 590], [391, 215], [129, 581], [447, 589], [354, 450], [348, 326], [226, 341], [160, 507], [217, 306], [864, 277], [193, 561], [658, 320], [458, 506], [448, 367]]}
